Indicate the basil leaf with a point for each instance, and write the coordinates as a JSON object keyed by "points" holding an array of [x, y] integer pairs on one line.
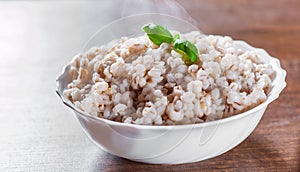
{"points": [[184, 57], [184, 46], [158, 34]]}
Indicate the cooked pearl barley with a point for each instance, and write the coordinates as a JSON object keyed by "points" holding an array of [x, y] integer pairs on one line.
{"points": [[135, 81]]}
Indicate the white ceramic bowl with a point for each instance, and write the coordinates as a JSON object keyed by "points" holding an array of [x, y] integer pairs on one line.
{"points": [[169, 144]]}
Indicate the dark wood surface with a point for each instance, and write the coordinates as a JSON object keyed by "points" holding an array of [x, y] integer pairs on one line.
{"points": [[38, 133]]}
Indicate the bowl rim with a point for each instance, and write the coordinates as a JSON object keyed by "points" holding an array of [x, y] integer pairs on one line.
{"points": [[278, 84]]}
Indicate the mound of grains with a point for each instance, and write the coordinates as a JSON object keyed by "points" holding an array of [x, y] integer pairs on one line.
{"points": [[134, 81]]}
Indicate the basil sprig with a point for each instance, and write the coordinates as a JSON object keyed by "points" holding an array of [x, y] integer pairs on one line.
{"points": [[158, 34]]}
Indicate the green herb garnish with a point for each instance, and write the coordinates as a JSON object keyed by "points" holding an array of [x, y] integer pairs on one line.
{"points": [[158, 34], [187, 47]]}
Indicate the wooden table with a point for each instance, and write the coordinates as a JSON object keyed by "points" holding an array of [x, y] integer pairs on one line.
{"points": [[38, 133]]}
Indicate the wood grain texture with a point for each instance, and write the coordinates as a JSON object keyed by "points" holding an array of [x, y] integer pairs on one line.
{"points": [[38, 133]]}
